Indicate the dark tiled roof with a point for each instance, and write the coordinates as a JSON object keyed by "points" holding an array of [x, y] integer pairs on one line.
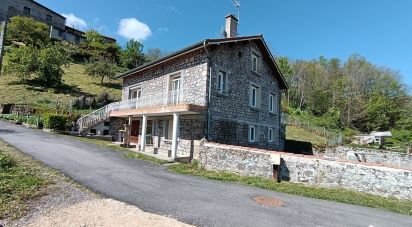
{"points": [[262, 44]]}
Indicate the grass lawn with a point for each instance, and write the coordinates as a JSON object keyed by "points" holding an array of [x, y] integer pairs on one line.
{"points": [[76, 84], [338, 195], [21, 180], [300, 134], [126, 152]]}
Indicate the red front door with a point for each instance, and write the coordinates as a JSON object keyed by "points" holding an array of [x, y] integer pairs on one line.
{"points": [[134, 133]]}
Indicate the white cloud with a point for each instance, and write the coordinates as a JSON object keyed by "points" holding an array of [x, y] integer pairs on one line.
{"points": [[163, 29], [172, 9], [73, 21], [131, 28]]}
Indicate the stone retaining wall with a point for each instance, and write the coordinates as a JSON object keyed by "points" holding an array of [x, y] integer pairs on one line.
{"points": [[312, 170], [398, 159]]}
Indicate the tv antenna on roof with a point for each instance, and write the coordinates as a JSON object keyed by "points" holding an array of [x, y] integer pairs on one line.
{"points": [[237, 5]]}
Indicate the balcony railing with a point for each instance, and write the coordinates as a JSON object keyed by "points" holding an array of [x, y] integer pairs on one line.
{"points": [[172, 98]]}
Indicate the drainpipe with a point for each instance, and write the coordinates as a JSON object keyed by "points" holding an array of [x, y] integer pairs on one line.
{"points": [[210, 89]]}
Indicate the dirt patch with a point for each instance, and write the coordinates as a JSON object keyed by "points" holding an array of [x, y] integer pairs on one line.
{"points": [[268, 201], [103, 212]]}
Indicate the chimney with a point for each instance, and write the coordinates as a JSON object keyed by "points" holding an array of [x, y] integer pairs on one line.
{"points": [[231, 26]]}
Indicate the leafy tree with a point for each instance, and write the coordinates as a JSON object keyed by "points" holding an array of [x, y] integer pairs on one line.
{"points": [[50, 62], [154, 53], [21, 62], [132, 56], [102, 69], [28, 31], [44, 64], [93, 37]]}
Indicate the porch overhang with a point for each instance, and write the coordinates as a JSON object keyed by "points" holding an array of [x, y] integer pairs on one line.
{"points": [[160, 110]]}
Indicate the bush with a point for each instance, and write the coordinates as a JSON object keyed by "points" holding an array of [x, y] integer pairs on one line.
{"points": [[6, 162], [54, 121]]}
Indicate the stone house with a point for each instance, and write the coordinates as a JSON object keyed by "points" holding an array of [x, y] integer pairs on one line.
{"points": [[225, 90]]}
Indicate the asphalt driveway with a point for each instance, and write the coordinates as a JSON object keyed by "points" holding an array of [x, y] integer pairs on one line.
{"points": [[189, 199]]}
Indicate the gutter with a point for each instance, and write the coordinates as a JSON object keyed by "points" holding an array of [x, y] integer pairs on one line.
{"points": [[210, 88]]}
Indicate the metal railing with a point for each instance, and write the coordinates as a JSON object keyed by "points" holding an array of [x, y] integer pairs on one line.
{"points": [[172, 98]]}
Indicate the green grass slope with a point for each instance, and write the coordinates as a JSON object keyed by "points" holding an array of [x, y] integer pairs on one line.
{"points": [[300, 134], [76, 84]]}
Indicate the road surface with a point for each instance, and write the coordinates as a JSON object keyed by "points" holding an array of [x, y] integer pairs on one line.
{"points": [[193, 200]]}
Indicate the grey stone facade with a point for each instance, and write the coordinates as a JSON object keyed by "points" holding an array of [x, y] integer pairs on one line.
{"points": [[229, 114], [310, 170]]}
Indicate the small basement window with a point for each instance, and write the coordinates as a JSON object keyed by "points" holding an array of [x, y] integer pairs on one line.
{"points": [[252, 133], [270, 135]]}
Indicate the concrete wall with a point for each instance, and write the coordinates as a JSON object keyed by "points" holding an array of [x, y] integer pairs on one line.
{"points": [[398, 159], [310, 170], [231, 113]]}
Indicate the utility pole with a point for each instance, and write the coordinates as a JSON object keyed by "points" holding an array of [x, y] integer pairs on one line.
{"points": [[3, 28]]}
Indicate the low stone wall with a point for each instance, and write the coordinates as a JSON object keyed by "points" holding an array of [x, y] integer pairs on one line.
{"points": [[311, 170], [398, 159]]}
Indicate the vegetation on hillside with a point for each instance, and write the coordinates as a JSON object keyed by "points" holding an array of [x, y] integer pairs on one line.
{"points": [[351, 96]]}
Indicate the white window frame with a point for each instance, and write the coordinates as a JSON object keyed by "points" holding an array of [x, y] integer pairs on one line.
{"points": [[222, 81], [254, 95], [136, 88], [271, 136], [255, 63], [272, 103], [252, 139]]}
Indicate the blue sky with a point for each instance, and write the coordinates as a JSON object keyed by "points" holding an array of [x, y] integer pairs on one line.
{"points": [[380, 30]]}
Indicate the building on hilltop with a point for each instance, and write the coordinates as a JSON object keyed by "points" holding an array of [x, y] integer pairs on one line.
{"points": [[226, 90], [39, 12]]}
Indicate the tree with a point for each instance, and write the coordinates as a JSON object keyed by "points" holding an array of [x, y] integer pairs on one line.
{"points": [[132, 56], [153, 54], [50, 62], [44, 64], [28, 31], [101, 69], [21, 62]]}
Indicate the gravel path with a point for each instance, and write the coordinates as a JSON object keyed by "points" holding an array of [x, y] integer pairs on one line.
{"points": [[103, 212]]}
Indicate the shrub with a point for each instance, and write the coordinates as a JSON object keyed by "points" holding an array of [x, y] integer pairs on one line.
{"points": [[6, 162], [54, 121]]}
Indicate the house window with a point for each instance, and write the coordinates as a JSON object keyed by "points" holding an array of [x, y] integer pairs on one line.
{"points": [[252, 133], [61, 33], [107, 123], [255, 63], [135, 93], [254, 95], [26, 10], [175, 89], [222, 82], [49, 18], [272, 103], [105, 132], [270, 135]]}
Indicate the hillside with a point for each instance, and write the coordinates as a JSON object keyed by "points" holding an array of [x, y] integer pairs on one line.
{"points": [[300, 134], [76, 85]]}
